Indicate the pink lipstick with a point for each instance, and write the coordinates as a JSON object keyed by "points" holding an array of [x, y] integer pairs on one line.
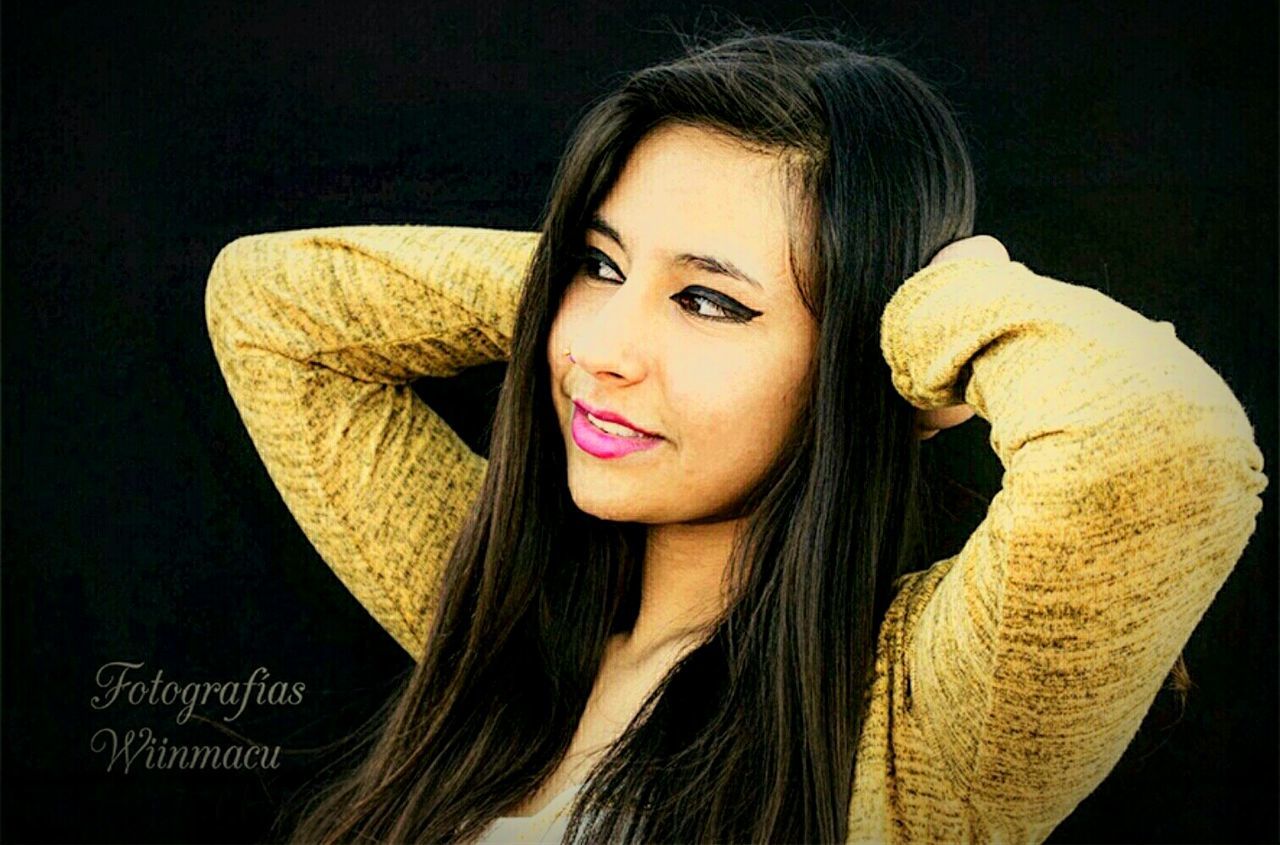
{"points": [[595, 441]]}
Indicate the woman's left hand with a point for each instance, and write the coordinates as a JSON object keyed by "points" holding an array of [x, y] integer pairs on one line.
{"points": [[932, 420]]}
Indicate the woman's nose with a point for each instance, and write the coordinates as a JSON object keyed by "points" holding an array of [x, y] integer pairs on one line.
{"points": [[611, 343]]}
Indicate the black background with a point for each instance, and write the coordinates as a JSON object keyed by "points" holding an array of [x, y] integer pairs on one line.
{"points": [[1129, 147]]}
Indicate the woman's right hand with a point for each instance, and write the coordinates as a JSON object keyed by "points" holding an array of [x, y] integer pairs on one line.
{"points": [[929, 421]]}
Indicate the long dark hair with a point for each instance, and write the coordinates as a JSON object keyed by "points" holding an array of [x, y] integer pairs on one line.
{"points": [[752, 735]]}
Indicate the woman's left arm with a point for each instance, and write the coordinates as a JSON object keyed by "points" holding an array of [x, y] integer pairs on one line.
{"points": [[1130, 491]]}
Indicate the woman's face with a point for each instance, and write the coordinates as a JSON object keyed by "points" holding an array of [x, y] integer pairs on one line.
{"points": [[684, 320]]}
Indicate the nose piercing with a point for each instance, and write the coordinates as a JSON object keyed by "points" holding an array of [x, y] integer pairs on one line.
{"points": [[569, 354]]}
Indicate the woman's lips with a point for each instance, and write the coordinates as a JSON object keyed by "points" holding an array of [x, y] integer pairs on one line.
{"points": [[610, 416], [601, 444]]}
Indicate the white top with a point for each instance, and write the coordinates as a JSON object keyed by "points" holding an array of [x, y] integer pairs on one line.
{"points": [[546, 827]]}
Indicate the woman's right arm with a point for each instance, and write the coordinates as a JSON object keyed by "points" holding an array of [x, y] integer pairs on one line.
{"points": [[317, 333]]}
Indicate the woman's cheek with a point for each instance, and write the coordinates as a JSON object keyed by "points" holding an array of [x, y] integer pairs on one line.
{"points": [[718, 405], [558, 339], [573, 311]]}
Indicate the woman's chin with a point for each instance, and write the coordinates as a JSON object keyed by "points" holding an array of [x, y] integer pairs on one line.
{"points": [[603, 505], [606, 499]]}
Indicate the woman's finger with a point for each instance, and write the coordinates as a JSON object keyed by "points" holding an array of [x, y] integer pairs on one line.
{"points": [[977, 246], [933, 420]]}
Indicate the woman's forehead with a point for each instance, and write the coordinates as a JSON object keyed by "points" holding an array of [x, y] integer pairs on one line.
{"points": [[691, 191]]}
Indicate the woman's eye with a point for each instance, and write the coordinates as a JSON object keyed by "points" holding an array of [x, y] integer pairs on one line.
{"points": [[698, 301], [705, 306], [596, 265]]}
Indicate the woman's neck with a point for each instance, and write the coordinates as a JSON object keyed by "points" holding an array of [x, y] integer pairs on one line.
{"points": [[681, 591]]}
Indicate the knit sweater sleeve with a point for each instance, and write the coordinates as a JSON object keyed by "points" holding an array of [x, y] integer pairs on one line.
{"points": [[1130, 489], [317, 333]]}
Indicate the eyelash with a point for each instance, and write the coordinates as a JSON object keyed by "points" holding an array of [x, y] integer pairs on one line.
{"points": [[734, 312]]}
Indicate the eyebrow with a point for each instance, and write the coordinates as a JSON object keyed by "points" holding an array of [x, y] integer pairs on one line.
{"points": [[704, 262]]}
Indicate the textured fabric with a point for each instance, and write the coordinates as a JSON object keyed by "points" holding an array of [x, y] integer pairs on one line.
{"points": [[1009, 678]]}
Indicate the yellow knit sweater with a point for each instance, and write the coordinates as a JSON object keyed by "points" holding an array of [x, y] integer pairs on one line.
{"points": [[1009, 678]]}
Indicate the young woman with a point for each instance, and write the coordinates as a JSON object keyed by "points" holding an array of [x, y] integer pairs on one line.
{"points": [[684, 599]]}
